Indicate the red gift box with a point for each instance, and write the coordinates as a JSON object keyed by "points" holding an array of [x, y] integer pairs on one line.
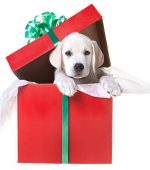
{"points": [[39, 106], [40, 126], [31, 62]]}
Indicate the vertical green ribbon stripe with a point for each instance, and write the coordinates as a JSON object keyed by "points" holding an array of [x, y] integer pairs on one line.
{"points": [[35, 28], [53, 37], [55, 41], [64, 129]]}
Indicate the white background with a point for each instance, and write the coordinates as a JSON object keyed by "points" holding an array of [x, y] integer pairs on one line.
{"points": [[127, 26]]}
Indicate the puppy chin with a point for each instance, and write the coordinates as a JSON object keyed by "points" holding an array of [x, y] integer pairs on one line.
{"points": [[80, 75]]}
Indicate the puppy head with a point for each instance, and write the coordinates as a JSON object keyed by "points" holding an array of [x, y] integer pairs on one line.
{"points": [[77, 55]]}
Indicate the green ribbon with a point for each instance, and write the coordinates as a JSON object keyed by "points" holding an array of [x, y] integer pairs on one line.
{"points": [[53, 37], [65, 129], [42, 24]]}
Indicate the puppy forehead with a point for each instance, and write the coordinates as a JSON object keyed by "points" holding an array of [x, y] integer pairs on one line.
{"points": [[76, 41]]}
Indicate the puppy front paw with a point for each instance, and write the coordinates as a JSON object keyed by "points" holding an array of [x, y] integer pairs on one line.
{"points": [[110, 85], [67, 86]]}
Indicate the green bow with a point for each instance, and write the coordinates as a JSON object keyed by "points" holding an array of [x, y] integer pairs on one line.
{"points": [[42, 24]]}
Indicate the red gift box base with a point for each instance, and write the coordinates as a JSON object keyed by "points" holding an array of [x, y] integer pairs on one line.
{"points": [[40, 126]]}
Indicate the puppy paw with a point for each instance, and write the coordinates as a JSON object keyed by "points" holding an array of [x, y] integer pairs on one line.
{"points": [[67, 86], [110, 85]]}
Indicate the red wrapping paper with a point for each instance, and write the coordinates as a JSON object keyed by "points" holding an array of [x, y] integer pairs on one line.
{"points": [[40, 123]]}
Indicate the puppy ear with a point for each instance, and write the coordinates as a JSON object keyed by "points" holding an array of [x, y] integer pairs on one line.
{"points": [[55, 57], [98, 57]]}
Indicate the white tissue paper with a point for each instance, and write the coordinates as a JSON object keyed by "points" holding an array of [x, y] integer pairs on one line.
{"points": [[128, 84], [8, 99], [95, 90]]}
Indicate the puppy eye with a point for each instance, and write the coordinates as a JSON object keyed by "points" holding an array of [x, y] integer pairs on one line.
{"points": [[86, 52], [68, 53]]}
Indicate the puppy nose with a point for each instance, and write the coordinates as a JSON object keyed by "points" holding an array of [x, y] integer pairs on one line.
{"points": [[78, 67]]}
